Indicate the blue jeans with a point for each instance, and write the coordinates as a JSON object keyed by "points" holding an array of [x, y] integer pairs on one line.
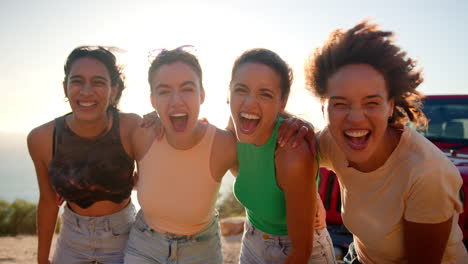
{"points": [[146, 245], [261, 248], [90, 239]]}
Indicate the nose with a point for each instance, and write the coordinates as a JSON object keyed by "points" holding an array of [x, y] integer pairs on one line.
{"points": [[356, 114], [86, 89], [176, 98], [250, 100]]}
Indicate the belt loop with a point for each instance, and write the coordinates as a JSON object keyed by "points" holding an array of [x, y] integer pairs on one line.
{"points": [[77, 221], [108, 225]]}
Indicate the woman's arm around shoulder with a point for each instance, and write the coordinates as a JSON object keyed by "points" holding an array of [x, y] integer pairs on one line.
{"points": [[40, 149], [223, 154], [296, 169], [129, 125]]}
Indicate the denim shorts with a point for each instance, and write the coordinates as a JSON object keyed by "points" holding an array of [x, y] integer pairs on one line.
{"points": [[261, 248], [93, 239], [146, 245]]}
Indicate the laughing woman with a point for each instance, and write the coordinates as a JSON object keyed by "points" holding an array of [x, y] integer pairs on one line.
{"points": [[179, 176], [276, 185], [399, 192]]}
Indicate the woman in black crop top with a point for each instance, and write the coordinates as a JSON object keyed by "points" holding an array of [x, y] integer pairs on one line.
{"points": [[86, 159]]}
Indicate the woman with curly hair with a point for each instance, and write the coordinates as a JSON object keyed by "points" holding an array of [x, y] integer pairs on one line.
{"points": [[399, 191]]}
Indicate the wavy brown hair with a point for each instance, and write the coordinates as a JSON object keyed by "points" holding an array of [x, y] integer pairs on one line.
{"points": [[366, 44]]}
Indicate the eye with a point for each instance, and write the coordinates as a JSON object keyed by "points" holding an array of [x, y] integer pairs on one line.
{"points": [[338, 104], [99, 83], [372, 103], [188, 89], [163, 92], [267, 95], [240, 90]]}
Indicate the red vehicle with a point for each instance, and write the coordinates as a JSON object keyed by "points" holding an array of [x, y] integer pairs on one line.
{"points": [[448, 130]]}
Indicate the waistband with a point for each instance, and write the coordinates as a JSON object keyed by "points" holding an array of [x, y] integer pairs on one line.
{"points": [[100, 222], [211, 229]]}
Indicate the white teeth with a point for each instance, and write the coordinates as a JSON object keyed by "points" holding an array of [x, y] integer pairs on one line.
{"points": [[249, 116], [179, 115], [86, 104], [356, 133]]}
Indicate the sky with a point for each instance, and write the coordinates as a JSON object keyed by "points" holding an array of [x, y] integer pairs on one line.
{"points": [[37, 36]]}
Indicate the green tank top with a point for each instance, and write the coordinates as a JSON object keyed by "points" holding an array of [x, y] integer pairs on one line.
{"points": [[256, 189]]}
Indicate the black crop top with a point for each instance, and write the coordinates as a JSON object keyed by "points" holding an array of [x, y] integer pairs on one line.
{"points": [[84, 171]]}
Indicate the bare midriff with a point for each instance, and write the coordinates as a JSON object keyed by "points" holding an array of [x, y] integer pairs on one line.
{"points": [[100, 208]]}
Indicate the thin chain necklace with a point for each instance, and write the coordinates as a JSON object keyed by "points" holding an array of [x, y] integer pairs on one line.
{"points": [[101, 133]]}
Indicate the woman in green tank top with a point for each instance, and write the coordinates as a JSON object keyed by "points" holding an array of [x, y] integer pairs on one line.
{"points": [[276, 185]]}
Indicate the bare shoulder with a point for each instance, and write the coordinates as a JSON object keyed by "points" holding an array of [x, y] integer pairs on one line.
{"points": [[295, 167], [129, 120], [223, 153], [297, 155], [225, 139], [39, 141]]}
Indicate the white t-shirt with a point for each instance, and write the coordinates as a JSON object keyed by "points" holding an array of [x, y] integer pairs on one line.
{"points": [[417, 183]]}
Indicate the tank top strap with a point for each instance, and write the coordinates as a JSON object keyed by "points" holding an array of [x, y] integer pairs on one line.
{"points": [[114, 132], [59, 129], [208, 138]]}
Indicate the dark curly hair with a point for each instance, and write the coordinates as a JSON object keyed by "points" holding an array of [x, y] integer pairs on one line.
{"points": [[366, 44], [270, 59], [170, 56], [106, 57]]}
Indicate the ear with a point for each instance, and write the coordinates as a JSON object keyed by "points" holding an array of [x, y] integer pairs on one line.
{"points": [[153, 101], [284, 102], [64, 84], [202, 96], [392, 107], [113, 94]]}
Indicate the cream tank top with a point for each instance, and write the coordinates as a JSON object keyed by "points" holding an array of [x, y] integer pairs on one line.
{"points": [[176, 190]]}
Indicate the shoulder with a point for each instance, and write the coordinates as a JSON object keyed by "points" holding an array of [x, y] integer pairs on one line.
{"points": [[294, 158], [224, 150], [225, 137], [130, 120], [40, 139]]}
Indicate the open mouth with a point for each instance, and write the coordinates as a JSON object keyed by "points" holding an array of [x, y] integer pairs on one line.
{"points": [[248, 122], [86, 104], [179, 121], [357, 139]]}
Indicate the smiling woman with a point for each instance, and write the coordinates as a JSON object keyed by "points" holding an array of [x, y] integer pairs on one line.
{"points": [[85, 158]]}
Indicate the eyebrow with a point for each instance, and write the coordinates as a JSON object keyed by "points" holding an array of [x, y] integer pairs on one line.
{"points": [[163, 85], [94, 77], [367, 97], [188, 82], [241, 84]]}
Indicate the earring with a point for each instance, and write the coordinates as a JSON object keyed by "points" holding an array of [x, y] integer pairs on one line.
{"points": [[65, 99]]}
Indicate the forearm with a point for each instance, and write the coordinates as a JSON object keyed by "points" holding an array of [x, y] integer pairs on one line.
{"points": [[426, 243], [46, 220], [300, 215]]}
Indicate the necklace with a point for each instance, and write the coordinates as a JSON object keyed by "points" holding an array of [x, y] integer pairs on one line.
{"points": [[76, 129]]}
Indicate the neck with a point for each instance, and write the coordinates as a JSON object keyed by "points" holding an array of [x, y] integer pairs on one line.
{"points": [[89, 129], [263, 139], [184, 142]]}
